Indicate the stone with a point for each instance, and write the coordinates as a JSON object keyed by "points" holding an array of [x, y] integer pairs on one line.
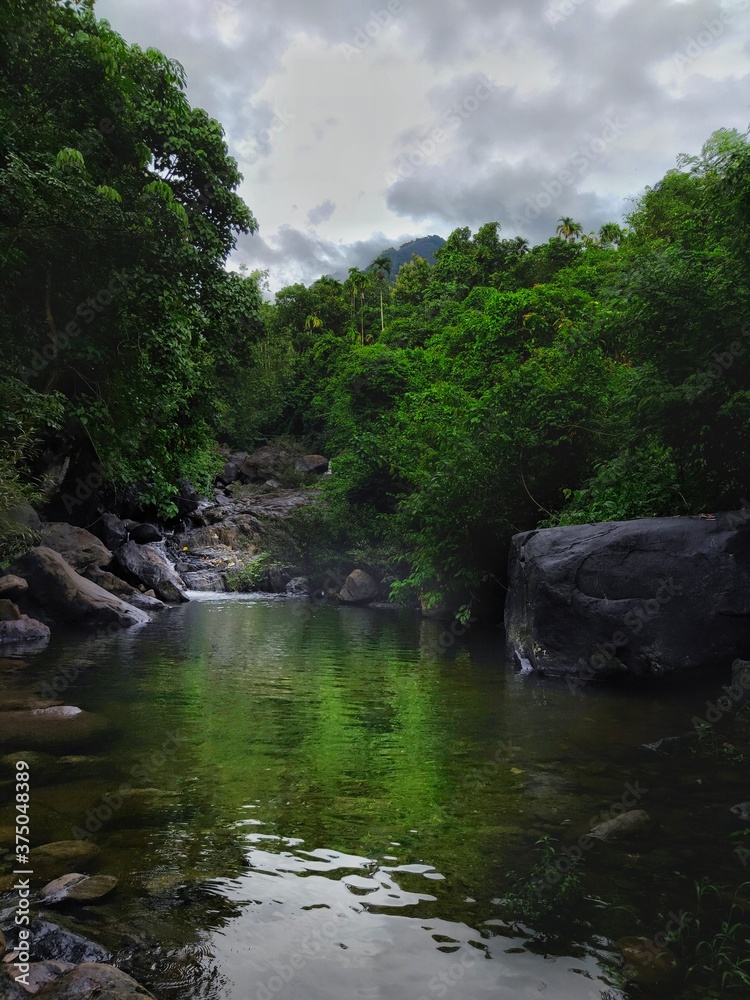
{"points": [[187, 499], [644, 598], [627, 826], [25, 517], [278, 579], [93, 980], [312, 463], [112, 530], [62, 855], [646, 963], [264, 463], [298, 587], [206, 581], [25, 629], [230, 474], [358, 588], [9, 611], [149, 564], [12, 585], [39, 974], [78, 547], [78, 888], [145, 533], [64, 728], [117, 586], [64, 595], [55, 943]]}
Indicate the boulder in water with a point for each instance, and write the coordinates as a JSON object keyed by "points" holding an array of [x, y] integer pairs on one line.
{"points": [[359, 588], [149, 564], [643, 598], [93, 980], [63, 595]]}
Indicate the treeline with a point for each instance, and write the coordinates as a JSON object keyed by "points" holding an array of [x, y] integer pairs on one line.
{"points": [[594, 376]]}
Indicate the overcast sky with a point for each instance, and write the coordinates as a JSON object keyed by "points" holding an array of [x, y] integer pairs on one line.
{"points": [[361, 124]]}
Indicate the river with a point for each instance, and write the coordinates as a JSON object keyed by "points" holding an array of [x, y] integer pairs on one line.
{"points": [[338, 804]]}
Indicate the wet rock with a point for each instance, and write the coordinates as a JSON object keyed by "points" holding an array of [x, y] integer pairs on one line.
{"points": [[12, 585], [230, 473], [78, 888], [112, 531], [278, 578], [64, 595], [646, 963], [78, 547], [62, 855], [627, 826], [9, 611], [312, 463], [358, 588], [187, 499], [63, 727], [145, 533], [117, 586], [55, 943], [644, 598], [298, 587], [39, 974], [24, 629], [742, 811], [93, 980], [9, 988], [205, 580], [149, 564]]}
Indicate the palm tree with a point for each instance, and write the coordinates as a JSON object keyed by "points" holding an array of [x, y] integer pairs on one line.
{"points": [[568, 228], [381, 266], [313, 322], [357, 282], [611, 234]]}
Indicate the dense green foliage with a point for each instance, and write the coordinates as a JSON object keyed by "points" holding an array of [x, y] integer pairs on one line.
{"points": [[592, 377], [117, 213]]}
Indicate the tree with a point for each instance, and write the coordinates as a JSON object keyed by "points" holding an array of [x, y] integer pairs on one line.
{"points": [[569, 229], [381, 266], [118, 209], [610, 234]]}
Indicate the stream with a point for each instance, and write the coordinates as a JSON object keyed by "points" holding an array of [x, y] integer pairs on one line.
{"points": [[332, 805]]}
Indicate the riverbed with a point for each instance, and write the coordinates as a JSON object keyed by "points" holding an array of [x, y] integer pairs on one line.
{"points": [[340, 801]]}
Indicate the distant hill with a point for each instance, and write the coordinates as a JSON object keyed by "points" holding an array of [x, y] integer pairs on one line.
{"points": [[423, 247]]}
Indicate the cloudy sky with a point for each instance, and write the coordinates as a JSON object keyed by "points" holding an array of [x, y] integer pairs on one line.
{"points": [[364, 123]]}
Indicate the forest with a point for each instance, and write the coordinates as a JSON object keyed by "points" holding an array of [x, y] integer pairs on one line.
{"points": [[600, 375]]}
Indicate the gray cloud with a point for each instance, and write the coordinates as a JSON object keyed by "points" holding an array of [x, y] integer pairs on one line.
{"points": [[326, 105], [321, 213]]}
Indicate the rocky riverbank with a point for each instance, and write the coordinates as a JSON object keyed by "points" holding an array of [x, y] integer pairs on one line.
{"points": [[118, 571]]}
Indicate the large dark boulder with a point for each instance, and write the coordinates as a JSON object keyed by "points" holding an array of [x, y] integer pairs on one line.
{"points": [[149, 564], [645, 598], [63, 595], [112, 531]]}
